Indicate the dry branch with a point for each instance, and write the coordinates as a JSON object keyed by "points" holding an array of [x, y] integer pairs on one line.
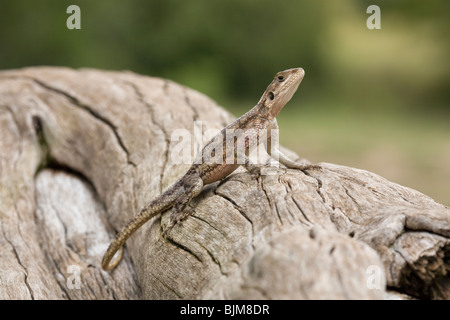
{"points": [[81, 151]]}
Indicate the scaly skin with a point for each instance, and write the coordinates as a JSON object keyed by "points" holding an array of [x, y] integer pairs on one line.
{"points": [[246, 130]]}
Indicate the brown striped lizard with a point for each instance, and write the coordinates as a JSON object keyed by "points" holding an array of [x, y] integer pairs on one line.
{"points": [[218, 160]]}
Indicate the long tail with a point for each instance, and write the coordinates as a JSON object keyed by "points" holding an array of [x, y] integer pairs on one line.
{"points": [[162, 203]]}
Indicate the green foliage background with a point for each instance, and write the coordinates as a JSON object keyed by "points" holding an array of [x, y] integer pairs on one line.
{"points": [[374, 99]]}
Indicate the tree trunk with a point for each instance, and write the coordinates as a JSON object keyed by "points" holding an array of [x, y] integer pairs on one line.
{"points": [[82, 151]]}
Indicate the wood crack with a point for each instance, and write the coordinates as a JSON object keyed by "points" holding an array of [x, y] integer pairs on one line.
{"points": [[184, 248], [25, 271], [269, 200], [75, 101], [209, 224], [178, 295], [213, 258], [235, 205], [61, 285], [319, 185], [189, 103], [309, 223], [160, 127]]}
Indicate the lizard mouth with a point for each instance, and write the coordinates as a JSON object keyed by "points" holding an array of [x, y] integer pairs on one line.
{"points": [[297, 73], [283, 88], [296, 76]]}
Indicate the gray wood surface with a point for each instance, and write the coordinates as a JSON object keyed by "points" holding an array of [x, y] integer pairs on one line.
{"points": [[82, 150]]}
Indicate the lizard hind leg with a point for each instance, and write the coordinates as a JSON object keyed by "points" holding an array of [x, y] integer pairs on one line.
{"points": [[181, 209]]}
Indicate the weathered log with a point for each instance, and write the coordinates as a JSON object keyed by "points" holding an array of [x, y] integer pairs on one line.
{"points": [[82, 150]]}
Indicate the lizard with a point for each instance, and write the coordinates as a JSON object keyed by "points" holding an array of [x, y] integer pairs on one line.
{"points": [[260, 119]]}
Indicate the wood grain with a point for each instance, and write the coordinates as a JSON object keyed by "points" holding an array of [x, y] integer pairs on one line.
{"points": [[82, 150]]}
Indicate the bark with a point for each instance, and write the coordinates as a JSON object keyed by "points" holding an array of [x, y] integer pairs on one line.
{"points": [[81, 151]]}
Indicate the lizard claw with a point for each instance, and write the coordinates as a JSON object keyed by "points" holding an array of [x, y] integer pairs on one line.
{"points": [[175, 218], [255, 172], [167, 229], [164, 233], [310, 166]]}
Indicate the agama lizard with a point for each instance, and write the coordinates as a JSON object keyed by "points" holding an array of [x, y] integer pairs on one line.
{"points": [[254, 124]]}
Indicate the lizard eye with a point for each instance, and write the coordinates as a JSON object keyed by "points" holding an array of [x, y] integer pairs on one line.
{"points": [[271, 95], [280, 78]]}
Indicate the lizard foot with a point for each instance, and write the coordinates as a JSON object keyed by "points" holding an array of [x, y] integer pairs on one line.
{"points": [[175, 218], [304, 167], [255, 171]]}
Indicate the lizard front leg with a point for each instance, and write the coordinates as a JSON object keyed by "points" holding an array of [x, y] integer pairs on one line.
{"points": [[275, 152], [192, 185]]}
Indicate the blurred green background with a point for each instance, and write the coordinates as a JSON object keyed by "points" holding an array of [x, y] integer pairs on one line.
{"points": [[372, 99]]}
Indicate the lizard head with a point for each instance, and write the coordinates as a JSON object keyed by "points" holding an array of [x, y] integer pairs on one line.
{"points": [[280, 91]]}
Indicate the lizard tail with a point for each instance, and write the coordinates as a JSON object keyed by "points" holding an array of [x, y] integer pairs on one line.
{"points": [[160, 204]]}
